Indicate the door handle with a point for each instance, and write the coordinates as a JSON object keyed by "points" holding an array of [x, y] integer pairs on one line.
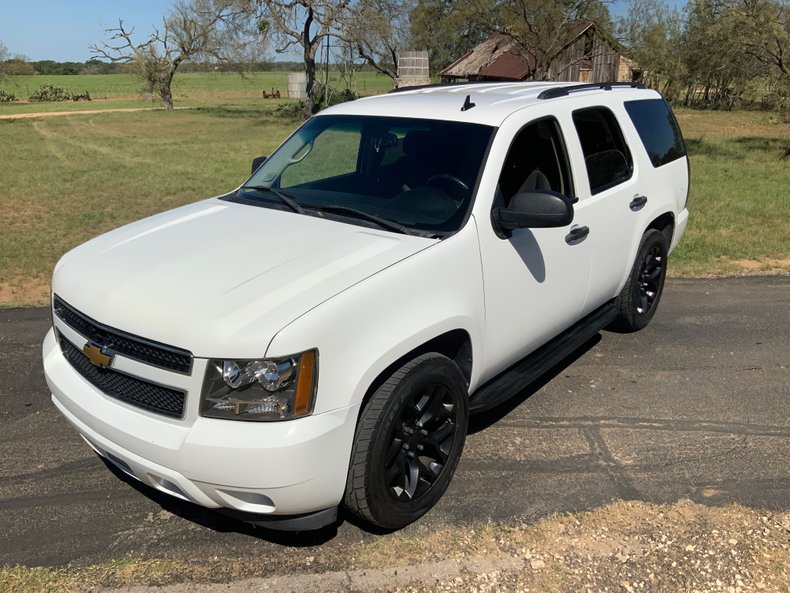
{"points": [[637, 203], [577, 234]]}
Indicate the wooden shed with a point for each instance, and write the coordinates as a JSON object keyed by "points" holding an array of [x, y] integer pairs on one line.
{"points": [[588, 56]]}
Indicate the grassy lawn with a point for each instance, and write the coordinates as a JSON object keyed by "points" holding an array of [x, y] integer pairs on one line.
{"points": [[739, 203], [64, 180]]}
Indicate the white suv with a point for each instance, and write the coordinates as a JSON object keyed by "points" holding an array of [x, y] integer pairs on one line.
{"points": [[319, 336]]}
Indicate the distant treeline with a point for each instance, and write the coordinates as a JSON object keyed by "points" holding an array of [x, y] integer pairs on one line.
{"points": [[94, 66]]}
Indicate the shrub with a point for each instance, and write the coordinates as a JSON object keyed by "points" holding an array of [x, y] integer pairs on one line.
{"points": [[335, 97], [6, 97], [289, 110], [49, 92]]}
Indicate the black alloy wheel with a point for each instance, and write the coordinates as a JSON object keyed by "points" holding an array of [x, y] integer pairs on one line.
{"points": [[421, 442], [408, 442], [651, 275], [638, 301]]}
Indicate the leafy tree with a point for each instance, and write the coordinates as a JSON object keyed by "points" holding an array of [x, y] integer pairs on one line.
{"points": [[540, 27], [653, 32], [192, 29], [13, 65], [448, 29], [768, 26]]}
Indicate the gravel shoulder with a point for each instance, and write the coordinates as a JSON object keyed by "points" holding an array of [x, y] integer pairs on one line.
{"points": [[624, 546]]}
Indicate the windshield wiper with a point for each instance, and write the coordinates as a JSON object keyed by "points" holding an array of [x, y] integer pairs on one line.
{"points": [[285, 198], [382, 222]]}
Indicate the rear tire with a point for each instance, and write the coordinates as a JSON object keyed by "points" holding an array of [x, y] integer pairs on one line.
{"points": [[638, 301], [408, 442]]}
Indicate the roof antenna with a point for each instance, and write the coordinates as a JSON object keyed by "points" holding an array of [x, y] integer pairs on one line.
{"points": [[467, 103]]}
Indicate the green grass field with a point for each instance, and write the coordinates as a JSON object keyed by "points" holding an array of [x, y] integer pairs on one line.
{"points": [[189, 89], [66, 179]]}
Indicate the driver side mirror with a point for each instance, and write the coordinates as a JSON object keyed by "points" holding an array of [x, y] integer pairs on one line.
{"points": [[257, 162], [534, 209]]}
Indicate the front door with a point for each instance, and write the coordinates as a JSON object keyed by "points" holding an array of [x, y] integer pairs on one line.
{"points": [[536, 279]]}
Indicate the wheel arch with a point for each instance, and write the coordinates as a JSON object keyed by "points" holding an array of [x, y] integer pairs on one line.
{"points": [[665, 224], [454, 344]]}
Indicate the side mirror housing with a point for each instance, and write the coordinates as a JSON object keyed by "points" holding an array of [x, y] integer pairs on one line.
{"points": [[534, 209], [257, 162]]}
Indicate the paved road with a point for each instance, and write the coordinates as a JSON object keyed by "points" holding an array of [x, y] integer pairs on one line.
{"points": [[696, 406]]}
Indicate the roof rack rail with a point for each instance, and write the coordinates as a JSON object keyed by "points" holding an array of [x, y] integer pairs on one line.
{"points": [[564, 91], [436, 85]]}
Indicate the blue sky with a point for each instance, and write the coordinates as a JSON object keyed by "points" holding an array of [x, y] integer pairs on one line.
{"points": [[62, 30]]}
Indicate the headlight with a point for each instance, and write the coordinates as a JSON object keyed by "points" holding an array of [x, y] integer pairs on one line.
{"points": [[261, 390]]}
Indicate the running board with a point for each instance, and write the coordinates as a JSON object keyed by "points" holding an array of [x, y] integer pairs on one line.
{"points": [[516, 378]]}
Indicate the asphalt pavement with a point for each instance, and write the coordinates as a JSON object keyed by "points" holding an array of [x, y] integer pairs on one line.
{"points": [[697, 406]]}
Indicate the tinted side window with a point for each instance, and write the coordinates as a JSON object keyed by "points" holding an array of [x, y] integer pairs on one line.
{"points": [[536, 161], [658, 129], [606, 154]]}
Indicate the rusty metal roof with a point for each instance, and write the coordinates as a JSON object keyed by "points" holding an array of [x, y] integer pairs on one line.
{"points": [[485, 55], [510, 65]]}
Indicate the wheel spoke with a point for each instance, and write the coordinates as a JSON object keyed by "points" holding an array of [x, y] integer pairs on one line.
{"points": [[412, 478], [395, 446], [398, 468], [430, 468], [435, 407], [438, 437], [642, 307]]}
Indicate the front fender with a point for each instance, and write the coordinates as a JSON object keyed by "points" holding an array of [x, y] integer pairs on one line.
{"points": [[364, 329]]}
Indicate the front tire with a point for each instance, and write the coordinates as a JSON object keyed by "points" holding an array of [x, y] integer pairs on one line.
{"points": [[638, 301], [408, 442]]}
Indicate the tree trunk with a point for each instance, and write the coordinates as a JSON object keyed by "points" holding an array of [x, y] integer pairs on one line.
{"points": [[164, 85], [166, 95], [309, 107]]}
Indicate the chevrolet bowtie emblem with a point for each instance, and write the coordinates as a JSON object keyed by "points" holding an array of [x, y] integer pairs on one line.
{"points": [[97, 355]]}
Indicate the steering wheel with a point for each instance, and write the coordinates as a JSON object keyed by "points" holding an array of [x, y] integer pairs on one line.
{"points": [[448, 177]]}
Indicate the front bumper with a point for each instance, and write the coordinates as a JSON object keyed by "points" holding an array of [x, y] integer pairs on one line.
{"points": [[275, 468]]}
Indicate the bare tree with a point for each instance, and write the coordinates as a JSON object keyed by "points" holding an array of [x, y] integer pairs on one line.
{"points": [[377, 31], [304, 23], [3, 57], [191, 29]]}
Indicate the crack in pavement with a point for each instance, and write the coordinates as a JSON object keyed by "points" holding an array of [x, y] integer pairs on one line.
{"points": [[609, 422]]}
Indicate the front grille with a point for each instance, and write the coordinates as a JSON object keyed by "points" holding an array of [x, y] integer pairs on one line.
{"points": [[147, 351], [133, 391]]}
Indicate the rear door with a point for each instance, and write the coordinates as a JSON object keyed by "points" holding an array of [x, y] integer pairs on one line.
{"points": [[612, 199]]}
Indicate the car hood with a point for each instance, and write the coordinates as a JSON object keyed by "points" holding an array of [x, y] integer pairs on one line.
{"points": [[219, 278]]}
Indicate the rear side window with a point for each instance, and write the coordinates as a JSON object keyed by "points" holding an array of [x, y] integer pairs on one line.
{"points": [[606, 154], [658, 129]]}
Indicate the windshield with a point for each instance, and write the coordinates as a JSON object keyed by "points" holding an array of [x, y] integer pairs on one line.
{"points": [[414, 172]]}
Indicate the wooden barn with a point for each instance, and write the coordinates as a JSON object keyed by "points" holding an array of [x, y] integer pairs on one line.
{"points": [[588, 56]]}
